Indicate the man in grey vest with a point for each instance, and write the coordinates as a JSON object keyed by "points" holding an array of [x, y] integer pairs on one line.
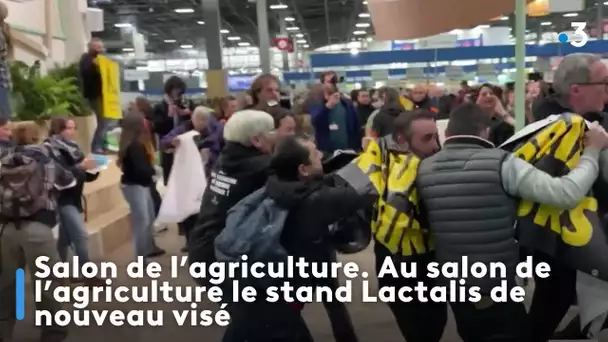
{"points": [[468, 194]]}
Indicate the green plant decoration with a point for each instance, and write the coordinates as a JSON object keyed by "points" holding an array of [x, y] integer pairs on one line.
{"points": [[39, 97]]}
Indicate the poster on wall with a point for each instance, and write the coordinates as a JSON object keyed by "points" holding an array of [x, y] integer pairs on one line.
{"points": [[110, 87]]}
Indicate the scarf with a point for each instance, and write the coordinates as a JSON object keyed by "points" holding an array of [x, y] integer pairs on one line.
{"points": [[62, 148]]}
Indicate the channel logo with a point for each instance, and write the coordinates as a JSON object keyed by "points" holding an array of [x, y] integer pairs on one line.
{"points": [[578, 39]]}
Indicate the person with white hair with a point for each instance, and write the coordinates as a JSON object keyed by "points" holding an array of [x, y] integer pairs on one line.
{"points": [[580, 83], [241, 169]]}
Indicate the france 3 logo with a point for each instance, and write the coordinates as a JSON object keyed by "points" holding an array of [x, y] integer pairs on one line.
{"points": [[579, 37]]}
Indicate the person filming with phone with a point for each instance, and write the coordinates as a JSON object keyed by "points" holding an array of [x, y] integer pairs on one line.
{"points": [[334, 119]]}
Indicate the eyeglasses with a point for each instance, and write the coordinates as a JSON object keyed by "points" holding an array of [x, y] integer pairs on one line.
{"points": [[604, 83]]}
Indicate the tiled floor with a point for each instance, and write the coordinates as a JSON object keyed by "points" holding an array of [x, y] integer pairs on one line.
{"points": [[372, 321]]}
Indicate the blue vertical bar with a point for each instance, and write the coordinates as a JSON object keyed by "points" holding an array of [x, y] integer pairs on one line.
{"points": [[20, 294]]}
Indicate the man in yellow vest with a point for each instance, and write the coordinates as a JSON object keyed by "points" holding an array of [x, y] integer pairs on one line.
{"points": [[406, 103], [400, 241]]}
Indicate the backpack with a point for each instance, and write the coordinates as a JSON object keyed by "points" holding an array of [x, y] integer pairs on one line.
{"points": [[23, 191], [253, 228]]}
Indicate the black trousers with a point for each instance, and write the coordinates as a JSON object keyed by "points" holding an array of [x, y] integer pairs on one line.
{"points": [[187, 225], [266, 322], [166, 162], [417, 321], [491, 322], [339, 318], [552, 298]]}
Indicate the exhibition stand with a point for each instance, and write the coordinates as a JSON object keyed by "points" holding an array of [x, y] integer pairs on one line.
{"points": [[49, 40]]}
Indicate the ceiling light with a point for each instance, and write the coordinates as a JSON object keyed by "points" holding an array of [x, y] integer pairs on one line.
{"points": [[504, 18], [200, 22], [606, 3], [234, 38], [290, 19], [570, 15], [369, 39], [224, 31], [546, 23], [483, 26], [364, 15], [128, 49], [186, 46], [122, 25], [301, 41], [292, 28], [244, 44], [365, 2], [278, 7], [359, 33], [299, 35], [306, 46], [184, 10], [363, 25], [170, 40]]}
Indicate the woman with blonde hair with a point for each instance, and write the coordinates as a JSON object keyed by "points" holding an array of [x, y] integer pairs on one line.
{"points": [[6, 53]]}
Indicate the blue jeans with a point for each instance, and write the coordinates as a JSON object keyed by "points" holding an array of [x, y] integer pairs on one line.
{"points": [[142, 217], [5, 103], [99, 137], [72, 232]]}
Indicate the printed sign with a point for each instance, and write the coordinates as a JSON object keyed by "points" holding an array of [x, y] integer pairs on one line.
{"points": [[110, 87]]}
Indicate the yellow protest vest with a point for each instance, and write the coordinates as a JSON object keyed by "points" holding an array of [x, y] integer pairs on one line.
{"points": [[392, 176], [560, 144], [110, 87], [406, 103], [576, 238]]}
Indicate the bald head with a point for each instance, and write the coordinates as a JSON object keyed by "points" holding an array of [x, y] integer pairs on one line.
{"points": [[95, 46], [419, 92]]}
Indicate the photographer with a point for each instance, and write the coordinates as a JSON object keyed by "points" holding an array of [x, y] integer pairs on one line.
{"points": [[334, 119]]}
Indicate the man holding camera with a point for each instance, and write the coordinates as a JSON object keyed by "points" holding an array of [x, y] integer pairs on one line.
{"points": [[334, 119]]}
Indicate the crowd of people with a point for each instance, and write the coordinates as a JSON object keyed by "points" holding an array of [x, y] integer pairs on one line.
{"points": [[252, 141], [265, 145]]}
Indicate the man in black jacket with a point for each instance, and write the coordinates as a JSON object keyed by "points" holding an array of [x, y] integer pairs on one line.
{"points": [[91, 85], [314, 202], [241, 168]]}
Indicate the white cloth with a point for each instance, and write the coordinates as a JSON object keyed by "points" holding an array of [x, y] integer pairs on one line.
{"points": [[186, 184], [592, 299]]}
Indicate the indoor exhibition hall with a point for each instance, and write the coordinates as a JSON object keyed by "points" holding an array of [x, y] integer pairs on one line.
{"points": [[303, 170]]}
